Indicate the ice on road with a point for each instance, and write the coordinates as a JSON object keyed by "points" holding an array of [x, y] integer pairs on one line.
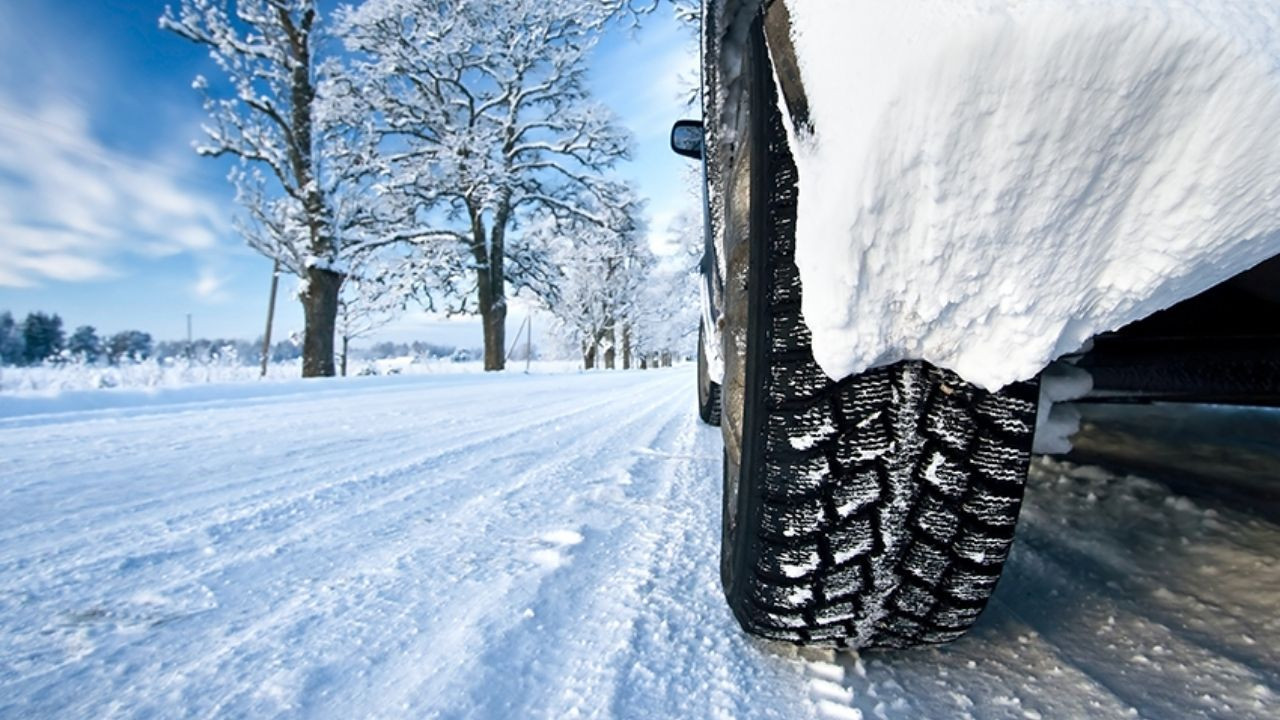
{"points": [[547, 547]]}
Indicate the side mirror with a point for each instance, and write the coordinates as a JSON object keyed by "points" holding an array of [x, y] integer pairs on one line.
{"points": [[686, 138]]}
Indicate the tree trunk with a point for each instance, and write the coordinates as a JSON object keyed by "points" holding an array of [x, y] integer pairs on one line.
{"points": [[491, 291], [320, 311], [589, 357], [626, 347], [493, 317], [611, 351]]}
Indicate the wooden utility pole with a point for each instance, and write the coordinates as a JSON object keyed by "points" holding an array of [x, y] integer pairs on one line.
{"points": [[271, 316], [515, 342]]}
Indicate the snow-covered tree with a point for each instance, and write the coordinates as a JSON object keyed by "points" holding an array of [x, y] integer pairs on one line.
{"points": [[666, 321], [11, 344], [485, 128], [600, 286], [84, 344], [371, 297], [272, 119], [42, 337], [129, 345]]}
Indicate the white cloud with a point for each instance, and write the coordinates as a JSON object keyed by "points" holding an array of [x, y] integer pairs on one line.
{"points": [[209, 286], [72, 209]]}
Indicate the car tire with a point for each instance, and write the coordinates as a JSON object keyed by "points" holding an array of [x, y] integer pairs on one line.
{"points": [[873, 511]]}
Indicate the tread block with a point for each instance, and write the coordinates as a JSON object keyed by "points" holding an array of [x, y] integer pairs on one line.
{"points": [[840, 612], [992, 509], [830, 635], [789, 333], [915, 600], [855, 491], [936, 521], [998, 462], [949, 423], [939, 637], [905, 628], [944, 476], [793, 563], [797, 479], [867, 399], [795, 599], [797, 380], [852, 540], [846, 581], [927, 563], [785, 289], [800, 430], [955, 618], [859, 446], [1011, 416], [970, 587], [792, 521], [982, 549]]}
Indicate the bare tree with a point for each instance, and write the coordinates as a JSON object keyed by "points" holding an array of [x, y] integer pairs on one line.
{"points": [[486, 129]]}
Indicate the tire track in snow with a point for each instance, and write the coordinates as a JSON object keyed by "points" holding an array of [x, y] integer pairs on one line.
{"points": [[302, 483], [581, 610], [595, 489], [587, 418], [685, 655], [296, 425], [470, 599]]}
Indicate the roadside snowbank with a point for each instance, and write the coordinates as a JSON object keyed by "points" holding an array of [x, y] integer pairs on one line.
{"points": [[53, 378], [149, 377], [1001, 180]]}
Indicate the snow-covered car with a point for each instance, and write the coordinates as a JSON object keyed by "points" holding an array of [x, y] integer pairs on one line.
{"points": [[916, 212]]}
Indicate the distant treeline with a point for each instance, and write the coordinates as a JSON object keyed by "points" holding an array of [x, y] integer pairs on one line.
{"points": [[41, 338]]}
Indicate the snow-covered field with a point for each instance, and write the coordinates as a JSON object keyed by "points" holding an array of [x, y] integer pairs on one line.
{"points": [[546, 546], [50, 379]]}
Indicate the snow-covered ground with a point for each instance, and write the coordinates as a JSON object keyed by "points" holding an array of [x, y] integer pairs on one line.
{"points": [[546, 546]]}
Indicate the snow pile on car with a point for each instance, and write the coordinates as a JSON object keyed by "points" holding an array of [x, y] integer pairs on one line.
{"points": [[988, 184]]}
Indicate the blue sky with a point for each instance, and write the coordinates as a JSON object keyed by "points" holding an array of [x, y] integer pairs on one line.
{"points": [[108, 217]]}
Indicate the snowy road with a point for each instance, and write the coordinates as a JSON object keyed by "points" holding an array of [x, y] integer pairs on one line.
{"points": [[546, 546]]}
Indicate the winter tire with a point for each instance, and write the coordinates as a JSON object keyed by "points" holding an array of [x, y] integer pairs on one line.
{"points": [[708, 389], [874, 511]]}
